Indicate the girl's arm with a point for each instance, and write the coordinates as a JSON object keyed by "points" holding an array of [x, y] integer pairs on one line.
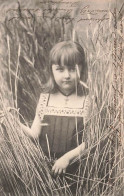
{"points": [[62, 163], [75, 153], [35, 129]]}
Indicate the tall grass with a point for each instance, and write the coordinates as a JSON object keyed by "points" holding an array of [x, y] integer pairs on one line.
{"points": [[24, 169]]}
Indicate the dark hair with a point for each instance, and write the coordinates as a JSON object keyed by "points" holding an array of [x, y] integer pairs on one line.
{"points": [[67, 53]]}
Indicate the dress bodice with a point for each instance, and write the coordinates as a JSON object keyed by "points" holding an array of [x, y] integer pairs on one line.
{"points": [[63, 126]]}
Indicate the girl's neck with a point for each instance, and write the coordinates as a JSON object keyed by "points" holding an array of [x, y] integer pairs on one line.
{"points": [[61, 100], [66, 92]]}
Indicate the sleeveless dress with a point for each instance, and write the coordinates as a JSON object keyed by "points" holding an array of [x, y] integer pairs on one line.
{"points": [[64, 127], [64, 130]]}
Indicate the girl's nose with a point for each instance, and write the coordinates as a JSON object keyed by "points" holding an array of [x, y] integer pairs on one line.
{"points": [[67, 73]]}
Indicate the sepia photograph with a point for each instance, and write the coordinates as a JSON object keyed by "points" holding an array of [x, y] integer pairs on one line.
{"points": [[61, 98]]}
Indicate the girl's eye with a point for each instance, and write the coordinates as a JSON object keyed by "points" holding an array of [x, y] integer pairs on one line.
{"points": [[60, 69]]}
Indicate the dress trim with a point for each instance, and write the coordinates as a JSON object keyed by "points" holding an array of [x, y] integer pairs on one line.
{"points": [[43, 109]]}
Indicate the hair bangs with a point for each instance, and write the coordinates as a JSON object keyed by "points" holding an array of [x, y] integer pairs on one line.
{"points": [[66, 56], [69, 57]]}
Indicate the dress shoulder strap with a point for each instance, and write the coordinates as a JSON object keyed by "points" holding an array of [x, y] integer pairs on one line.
{"points": [[43, 100], [87, 108]]}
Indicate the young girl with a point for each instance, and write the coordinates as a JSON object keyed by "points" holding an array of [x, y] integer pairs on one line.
{"points": [[63, 107]]}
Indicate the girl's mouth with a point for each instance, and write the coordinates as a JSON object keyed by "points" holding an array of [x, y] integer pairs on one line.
{"points": [[66, 81]]}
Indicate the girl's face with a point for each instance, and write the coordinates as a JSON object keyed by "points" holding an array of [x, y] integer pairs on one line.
{"points": [[66, 77]]}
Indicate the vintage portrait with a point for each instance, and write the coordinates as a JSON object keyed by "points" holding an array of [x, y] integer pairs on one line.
{"points": [[61, 98]]}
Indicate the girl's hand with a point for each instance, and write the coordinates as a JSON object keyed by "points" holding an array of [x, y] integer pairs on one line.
{"points": [[60, 165]]}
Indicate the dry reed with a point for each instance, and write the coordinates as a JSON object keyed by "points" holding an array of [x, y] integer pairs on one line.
{"points": [[24, 169]]}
